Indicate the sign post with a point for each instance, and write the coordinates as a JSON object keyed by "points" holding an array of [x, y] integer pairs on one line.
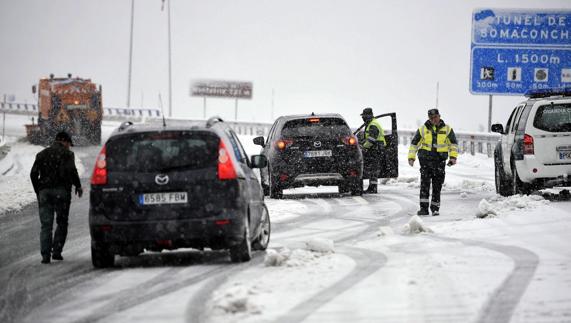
{"points": [[222, 89], [515, 51]]}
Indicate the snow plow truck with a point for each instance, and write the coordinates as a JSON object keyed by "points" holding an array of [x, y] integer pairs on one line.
{"points": [[67, 104]]}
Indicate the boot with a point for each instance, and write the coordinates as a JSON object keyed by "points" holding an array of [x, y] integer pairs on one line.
{"points": [[435, 213], [372, 189], [422, 212]]}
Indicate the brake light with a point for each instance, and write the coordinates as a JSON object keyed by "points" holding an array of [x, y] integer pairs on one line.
{"points": [[283, 143], [99, 176], [225, 166], [314, 120], [528, 145], [350, 140]]}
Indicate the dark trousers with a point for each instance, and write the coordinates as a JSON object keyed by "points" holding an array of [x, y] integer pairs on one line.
{"points": [[431, 171], [372, 162], [53, 200]]}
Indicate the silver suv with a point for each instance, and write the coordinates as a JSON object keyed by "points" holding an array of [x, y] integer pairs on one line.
{"points": [[534, 151]]}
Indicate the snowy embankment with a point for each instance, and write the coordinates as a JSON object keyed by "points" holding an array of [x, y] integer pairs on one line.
{"points": [[16, 189]]}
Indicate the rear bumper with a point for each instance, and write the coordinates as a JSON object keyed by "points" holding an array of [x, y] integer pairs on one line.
{"points": [[296, 174], [217, 232], [530, 170]]}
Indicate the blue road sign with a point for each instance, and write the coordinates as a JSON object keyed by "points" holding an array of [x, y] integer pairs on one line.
{"points": [[516, 70], [514, 51]]}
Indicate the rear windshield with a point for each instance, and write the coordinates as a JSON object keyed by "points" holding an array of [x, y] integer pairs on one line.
{"points": [[553, 118], [316, 127], [162, 151]]}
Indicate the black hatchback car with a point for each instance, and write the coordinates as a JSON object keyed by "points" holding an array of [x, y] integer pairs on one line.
{"points": [[167, 187], [311, 150]]}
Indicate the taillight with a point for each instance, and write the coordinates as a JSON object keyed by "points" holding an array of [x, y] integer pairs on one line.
{"points": [[283, 143], [350, 140], [99, 176], [225, 167], [528, 145]]}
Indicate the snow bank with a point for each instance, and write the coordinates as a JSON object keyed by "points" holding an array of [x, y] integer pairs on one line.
{"points": [[499, 205], [16, 188], [414, 226], [315, 248], [236, 299]]}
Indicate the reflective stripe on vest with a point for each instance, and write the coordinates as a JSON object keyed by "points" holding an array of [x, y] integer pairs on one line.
{"points": [[442, 145], [369, 141]]}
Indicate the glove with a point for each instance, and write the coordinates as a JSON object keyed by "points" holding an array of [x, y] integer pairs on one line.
{"points": [[451, 161], [79, 191], [411, 162]]}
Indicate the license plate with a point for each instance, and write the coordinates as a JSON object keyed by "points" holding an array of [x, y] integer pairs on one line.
{"points": [[163, 198], [564, 152], [317, 153]]}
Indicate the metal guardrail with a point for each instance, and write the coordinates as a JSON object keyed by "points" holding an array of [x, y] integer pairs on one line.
{"points": [[483, 143], [110, 113], [472, 143]]}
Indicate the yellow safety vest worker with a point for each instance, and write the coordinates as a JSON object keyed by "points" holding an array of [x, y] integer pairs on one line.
{"points": [[370, 138], [445, 144]]}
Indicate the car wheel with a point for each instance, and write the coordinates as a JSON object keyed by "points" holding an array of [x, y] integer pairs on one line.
{"points": [[502, 185], [518, 187], [243, 251], [357, 188], [276, 192], [263, 239], [344, 188], [101, 256]]}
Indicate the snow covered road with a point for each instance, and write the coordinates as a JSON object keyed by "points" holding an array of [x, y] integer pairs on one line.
{"points": [[332, 258]]}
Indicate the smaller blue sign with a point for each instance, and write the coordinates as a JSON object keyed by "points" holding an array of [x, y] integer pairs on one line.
{"points": [[501, 70], [521, 27]]}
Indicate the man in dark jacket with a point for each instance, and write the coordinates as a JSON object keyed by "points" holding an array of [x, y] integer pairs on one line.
{"points": [[52, 175], [434, 142]]}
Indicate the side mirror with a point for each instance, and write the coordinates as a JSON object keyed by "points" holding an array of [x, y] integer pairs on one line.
{"points": [[258, 161], [259, 141], [497, 127], [34, 89]]}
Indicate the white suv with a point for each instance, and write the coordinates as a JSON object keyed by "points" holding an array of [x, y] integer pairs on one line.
{"points": [[534, 151]]}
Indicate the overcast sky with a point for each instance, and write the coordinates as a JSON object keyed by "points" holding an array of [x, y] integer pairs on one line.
{"points": [[317, 55]]}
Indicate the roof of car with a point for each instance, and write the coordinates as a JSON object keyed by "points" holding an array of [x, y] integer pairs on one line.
{"points": [[312, 115], [171, 125]]}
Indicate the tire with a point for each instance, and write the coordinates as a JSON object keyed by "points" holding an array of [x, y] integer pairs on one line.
{"points": [[242, 252], [518, 187], [101, 256], [263, 239], [502, 184], [357, 188], [276, 192], [265, 189], [344, 188], [96, 136]]}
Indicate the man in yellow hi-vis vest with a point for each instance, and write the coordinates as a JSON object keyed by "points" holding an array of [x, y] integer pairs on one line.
{"points": [[434, 142], [373, 146]]}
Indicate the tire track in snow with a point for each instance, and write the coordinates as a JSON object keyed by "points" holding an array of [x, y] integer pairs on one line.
{"points": [[366, 263], [137, 296], [502, 303]]}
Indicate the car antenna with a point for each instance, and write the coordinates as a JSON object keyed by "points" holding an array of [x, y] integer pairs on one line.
{"points": [[161, 105]]}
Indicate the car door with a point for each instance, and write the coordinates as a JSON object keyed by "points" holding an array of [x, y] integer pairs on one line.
{"points": [[255, 196], [266, 151], [509, 137], [390, 167]]}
